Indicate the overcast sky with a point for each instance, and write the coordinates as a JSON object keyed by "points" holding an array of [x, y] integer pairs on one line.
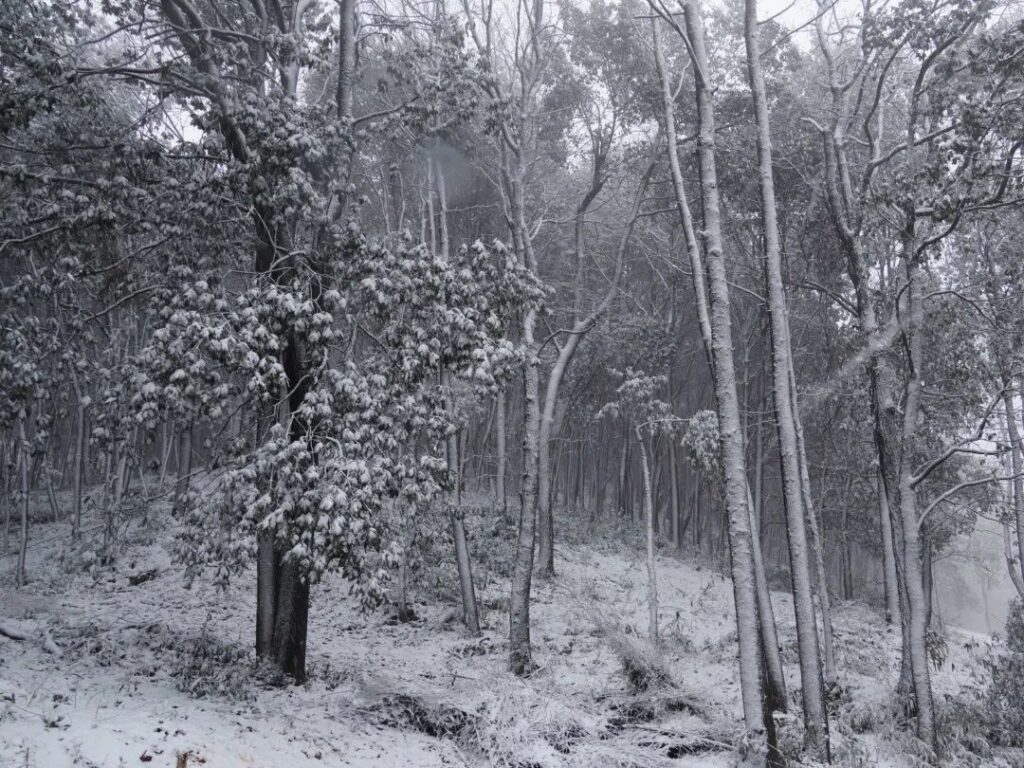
{"points": [[798, 13]]}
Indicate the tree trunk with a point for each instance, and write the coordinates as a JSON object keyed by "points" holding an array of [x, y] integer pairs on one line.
{"points": [[652, 578], [52, 498], [912, 558], [892, 597], [733, 459], [623, 496], [346, 58], [8, 466], [271, 256], [775, 679], [470, 616], [78, 470], [291, 620], [501, 458], [1012, 562], [927, 577], [520, 661], [462, 561], [25, 454], [697, 270], [184, 467], [817, 547], [167, 445], [545, 518], [676, 534], [520, 658], [267, 568], [815, 715]]}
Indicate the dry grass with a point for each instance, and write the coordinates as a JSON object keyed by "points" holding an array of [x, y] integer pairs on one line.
{"points": [[515, 725]]}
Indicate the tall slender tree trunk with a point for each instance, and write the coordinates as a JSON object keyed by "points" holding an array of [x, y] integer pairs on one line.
{"points": [[775, 678], [767, 638], [470, 615], [817, 546], [652, 577], [7, 456], [912, 556], [25, 455], [623, 499], [545, 517], [462, 560], [346, 58], [815, 714], [167, 444], [520, 655], [52, 498], [696, 262], [892, 597], [184, 467], [519, 625], [501, 458], [675, 512], [79, 466], [733, 459]]}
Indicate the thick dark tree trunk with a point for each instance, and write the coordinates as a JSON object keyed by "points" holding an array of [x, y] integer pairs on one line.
{"points": [[184, 468], [266, 593], [290, 621], [892, 598]]}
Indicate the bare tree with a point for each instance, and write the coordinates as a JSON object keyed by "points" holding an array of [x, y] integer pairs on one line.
{"points": [[815, 715]]}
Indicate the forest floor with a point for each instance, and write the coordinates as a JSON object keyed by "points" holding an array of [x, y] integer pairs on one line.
{"points": [[125, 666]]}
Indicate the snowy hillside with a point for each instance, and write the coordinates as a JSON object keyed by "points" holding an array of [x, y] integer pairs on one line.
{"points": [[125, 666]]}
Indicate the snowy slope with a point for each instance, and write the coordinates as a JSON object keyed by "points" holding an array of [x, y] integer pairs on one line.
{"points": [[389, 694]]}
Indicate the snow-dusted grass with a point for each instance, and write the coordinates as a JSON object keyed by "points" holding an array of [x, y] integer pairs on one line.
{"points": [[152, 670]]}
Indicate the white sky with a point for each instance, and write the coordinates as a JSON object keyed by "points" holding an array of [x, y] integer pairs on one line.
{"points": [[799, 12]]}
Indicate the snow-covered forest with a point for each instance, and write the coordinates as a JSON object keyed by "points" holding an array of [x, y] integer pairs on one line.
{"points": [[540, 384]]}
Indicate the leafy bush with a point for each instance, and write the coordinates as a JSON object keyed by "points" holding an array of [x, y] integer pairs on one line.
{"points": [[430, 552], [1005, 704]]}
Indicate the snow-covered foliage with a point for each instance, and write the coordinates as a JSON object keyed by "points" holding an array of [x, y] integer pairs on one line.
{"points": [[375, 337], [703, 445], [1005, 706], [637, 402]]}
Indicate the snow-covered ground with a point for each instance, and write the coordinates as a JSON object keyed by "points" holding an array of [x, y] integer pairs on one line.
{"points": [[150, 671]]}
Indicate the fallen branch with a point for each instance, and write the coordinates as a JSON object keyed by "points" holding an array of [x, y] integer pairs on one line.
{"points": [[12, 631], [25, 631]]}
